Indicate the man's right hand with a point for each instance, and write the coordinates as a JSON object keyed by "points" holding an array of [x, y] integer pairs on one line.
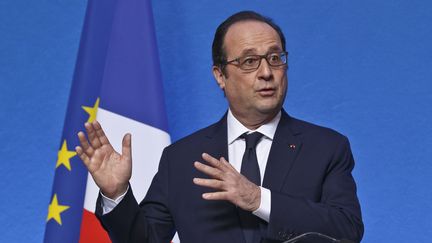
{"points": [[110, 170]]}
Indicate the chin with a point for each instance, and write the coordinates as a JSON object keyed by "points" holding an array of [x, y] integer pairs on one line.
{"points": [[269, 109], [269, 106]]}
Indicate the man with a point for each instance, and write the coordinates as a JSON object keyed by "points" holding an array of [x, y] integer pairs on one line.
{"points": [[284, 177]]}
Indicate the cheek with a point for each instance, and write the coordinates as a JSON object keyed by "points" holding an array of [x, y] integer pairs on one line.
{"points": [[284, 86], [239, 84], [283, 83], [235, 91], [238, 93]]}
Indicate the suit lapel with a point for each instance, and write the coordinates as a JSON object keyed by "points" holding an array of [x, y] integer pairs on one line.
{"points": [[218, 139], [284, 150], [218, 147]]}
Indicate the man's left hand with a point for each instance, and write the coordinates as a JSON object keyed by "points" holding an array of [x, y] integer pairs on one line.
{"points": [[229, 184]]}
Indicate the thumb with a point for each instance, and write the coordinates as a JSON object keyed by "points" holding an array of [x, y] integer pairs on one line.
{"points": [[127, 146]]}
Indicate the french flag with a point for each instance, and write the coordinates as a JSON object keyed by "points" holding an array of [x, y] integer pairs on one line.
{"points": [[117, 81]]}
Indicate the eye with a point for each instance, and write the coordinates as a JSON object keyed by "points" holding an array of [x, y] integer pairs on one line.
{"points": [[274, 58], [250, 61]]}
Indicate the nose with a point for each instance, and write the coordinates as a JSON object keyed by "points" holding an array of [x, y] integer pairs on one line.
{"points": [[265, 72]]}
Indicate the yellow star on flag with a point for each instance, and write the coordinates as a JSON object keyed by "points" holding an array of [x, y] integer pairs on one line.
{"points": [[92, 111], [55, 209], [64, 156]]}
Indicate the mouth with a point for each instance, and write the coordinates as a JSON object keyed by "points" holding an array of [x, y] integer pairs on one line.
{"points": [[266, 92]]}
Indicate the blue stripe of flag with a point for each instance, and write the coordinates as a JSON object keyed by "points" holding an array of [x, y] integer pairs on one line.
{"points": [[132, 84], [118, 62], [70, 185]]}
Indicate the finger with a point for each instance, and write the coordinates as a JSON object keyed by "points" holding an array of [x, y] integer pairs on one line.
{"points": [[127, 146], [100, 133], [82, 156], [95, 162], [91, 133], [227, 164], [211, 160], [213, 172], [211, 183], [97, 158], [85, 145], [216, 196]]}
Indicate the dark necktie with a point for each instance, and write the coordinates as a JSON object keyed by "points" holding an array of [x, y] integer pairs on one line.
{"points": [[250, 169]]}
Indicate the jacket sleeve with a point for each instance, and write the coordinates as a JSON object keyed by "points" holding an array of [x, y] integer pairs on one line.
{"points": [[336, 214]]}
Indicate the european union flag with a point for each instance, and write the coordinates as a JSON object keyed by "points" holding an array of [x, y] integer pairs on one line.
{"points": [[117, 81]]}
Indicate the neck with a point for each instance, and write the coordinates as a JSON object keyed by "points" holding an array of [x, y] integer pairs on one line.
{"points": [[253, 122]]}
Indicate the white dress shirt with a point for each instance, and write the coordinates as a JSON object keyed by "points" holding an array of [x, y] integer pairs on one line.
{"points": [[236, 149]]}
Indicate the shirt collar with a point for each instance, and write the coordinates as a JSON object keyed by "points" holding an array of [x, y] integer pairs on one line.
{"points": [[236, 129]]}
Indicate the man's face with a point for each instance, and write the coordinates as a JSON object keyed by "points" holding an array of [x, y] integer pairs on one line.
{"points": [[252, 94]]}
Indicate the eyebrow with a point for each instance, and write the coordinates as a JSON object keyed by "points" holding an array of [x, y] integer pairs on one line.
{"points": [[249, 51], [252, 51], [275, 48]]}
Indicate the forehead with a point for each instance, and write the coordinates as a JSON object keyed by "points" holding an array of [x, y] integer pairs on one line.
{"points": [[251, 37]]}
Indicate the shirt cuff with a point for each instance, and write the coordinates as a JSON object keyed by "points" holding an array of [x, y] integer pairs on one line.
{"points": [[265, 206], [109, 204]]}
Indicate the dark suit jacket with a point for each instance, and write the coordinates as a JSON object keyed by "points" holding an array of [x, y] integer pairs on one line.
{"points": [[308, 172]]}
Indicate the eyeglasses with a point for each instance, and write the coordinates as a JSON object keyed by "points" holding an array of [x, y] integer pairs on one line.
{"points": [[252, 62]]}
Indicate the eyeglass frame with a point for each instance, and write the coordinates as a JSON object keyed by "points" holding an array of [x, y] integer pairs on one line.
{"points": [[265, 56]]}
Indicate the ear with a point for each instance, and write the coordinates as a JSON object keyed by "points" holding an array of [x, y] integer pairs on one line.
{"points": [[219, 76]]}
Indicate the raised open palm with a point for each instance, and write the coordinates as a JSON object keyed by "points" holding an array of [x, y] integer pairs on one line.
{"points": [[110, 170]]}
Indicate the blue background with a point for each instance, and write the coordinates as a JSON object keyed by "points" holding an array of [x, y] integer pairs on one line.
{"points": [[363, 68]]}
